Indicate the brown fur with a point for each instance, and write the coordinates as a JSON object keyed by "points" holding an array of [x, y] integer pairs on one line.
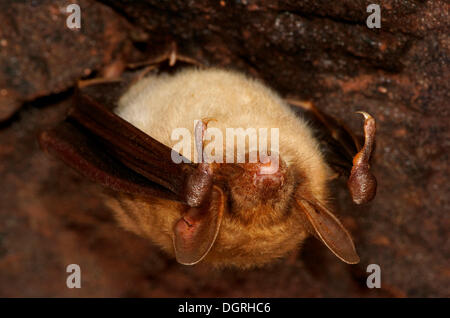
{"points": [[260, 224]]}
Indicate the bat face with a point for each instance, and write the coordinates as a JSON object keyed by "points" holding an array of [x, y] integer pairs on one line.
{"points": [[254, 192], [256, 224], [224, 213]]}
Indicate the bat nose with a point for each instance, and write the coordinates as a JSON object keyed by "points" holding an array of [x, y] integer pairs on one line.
{"points": [[269, 165]]}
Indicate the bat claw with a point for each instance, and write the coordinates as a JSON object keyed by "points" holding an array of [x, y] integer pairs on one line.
{"points": [[366, 115], [362, 183], [199, 184]]}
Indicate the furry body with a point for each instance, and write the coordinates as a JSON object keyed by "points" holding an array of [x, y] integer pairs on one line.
{"points": [[254, 231]]}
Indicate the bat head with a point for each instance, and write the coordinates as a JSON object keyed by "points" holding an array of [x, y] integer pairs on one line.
{"points": [[260, 191], [255, 212]]}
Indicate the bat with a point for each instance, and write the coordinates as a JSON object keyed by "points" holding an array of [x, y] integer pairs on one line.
{"points": [[240, 214]]}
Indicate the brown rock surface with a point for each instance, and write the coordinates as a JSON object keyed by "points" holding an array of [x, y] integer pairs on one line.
{"points": [[314, 50], [40, 55]]}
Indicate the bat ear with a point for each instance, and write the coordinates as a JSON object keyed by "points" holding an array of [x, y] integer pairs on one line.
{"points": [[329, 230], [196, 232]]}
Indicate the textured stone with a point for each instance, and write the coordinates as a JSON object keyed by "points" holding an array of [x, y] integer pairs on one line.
{"points": [[40, 55], [314, 50]]}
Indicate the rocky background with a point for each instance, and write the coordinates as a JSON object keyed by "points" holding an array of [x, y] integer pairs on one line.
{"points": [[321, 51]]}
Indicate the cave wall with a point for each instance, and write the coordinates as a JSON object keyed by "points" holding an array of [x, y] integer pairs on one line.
{"points": [[319, 51]]}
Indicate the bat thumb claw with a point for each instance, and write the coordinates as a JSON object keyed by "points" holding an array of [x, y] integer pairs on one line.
{"points": [[362, 183], [366, 115]]}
